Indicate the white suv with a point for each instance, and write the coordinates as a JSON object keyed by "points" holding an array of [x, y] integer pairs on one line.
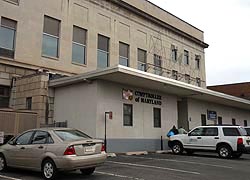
{"points": [[228, 141]]}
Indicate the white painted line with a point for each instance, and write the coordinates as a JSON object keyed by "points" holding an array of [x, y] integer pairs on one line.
{"points": [[11, 178], [117, 175], [187, 162], [155, 167]]}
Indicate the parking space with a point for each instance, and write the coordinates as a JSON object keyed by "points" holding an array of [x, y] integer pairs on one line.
{"points": [[156, 166]]}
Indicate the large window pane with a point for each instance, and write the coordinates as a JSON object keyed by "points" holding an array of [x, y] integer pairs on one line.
{"points": [[157, 64], [123, 61], [50, 46], [102, 57], [79, 35], [123, 50], [157, 117], [142, 58], [51, 26], [103, 43], [186, 57], [7, 37], [127, 114], [78, 53]]}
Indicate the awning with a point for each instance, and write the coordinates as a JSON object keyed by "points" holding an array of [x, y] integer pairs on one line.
{"points": [[137, 78]]}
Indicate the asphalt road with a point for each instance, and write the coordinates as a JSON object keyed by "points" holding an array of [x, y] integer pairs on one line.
{"points": [[156, 167]]}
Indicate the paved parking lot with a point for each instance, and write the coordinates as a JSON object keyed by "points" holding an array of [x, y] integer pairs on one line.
{"points": [[156, 167]]}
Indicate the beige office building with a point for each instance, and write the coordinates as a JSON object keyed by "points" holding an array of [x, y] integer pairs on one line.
{"points": [[142, 63]]}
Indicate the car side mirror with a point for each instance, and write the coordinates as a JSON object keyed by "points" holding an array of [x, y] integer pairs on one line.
{"points": [[13, 143]]}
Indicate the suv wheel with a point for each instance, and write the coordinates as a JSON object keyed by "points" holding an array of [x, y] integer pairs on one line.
{"points": [[49, 169], [3, 165], [177, 148], [225, 151], [88, 171]]}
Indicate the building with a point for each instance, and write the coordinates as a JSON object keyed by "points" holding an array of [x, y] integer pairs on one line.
{"points": [[241, 90], [129, 57]]}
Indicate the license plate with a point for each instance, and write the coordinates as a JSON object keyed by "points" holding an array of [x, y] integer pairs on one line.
{"points": [[89, 149]]}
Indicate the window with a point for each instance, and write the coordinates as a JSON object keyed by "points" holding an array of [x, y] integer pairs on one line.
{"points": [[4, 96], [174, 74], [69, 135], [157, 117], [124, 54], [40, 137], [187, 78], [127, 114], [245, 122], [157, 64], [103, 52], [24, 138], [29, 103], [50, 37], [198, 82], [210, 131], [197, 61], [142, 59], [231, 132], [233, 122], [197, 132], [79, 45], [13, 1], [174, 53], [219, 120], [7, 37], [186, 57]]}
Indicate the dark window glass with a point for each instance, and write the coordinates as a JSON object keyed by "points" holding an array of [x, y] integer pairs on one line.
{"points": [[127, 114], [123, 54], [245, 122], [40, 137], [103, 52], [220, 120], [174, 74], [157, 117], [157, 64], [29, 103], [197, 62], [186, 57], [174, 55], [7, 37], [67, 135], [248, 131], [79, 45], [142, 58], [233, 122], [231, 131], [210, 131], [197, 132], [187, 78], [24, 138], [4, 96], [50, 37]]}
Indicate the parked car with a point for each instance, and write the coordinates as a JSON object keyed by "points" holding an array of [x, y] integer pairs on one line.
{"points": [[227, 141], [247, 128], [51, 150]]}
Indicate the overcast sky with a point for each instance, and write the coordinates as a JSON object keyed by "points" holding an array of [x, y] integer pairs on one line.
{"points": [[226, 26]]}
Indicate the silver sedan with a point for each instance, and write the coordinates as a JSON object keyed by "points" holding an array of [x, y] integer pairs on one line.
{"points": [[53, 150]]}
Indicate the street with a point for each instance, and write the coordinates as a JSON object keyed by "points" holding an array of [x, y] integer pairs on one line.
{"points": [[156, 167]]}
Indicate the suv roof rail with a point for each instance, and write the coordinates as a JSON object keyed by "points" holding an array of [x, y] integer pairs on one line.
{"points": [[222, 125]]}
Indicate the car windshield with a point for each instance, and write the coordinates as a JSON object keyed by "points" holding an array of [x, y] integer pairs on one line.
{"points": [[71, 134]]}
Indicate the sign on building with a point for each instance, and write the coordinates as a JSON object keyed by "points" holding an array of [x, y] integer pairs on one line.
{"points": [[211, 115]]}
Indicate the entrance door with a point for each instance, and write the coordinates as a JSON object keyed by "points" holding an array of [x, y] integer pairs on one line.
{"points": [[203, 120], [219, 120]]}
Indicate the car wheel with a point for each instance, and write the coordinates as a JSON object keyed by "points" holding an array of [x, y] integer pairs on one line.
{"points": [[88, 171], [177, 148], [49, 169], [3, 164], [236, 155], [225, 151], [189, 151]]}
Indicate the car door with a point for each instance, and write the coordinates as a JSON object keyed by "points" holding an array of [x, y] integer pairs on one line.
{"points": [[210, 138], [194, 140], [37, 149], [16, 154]]}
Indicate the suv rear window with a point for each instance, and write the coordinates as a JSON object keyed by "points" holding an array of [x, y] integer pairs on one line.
{"points": [[69, 135], [248, 131], [231, 132]]}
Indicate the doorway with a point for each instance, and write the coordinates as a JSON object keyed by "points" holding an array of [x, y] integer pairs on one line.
{"points": [[203, 120]]}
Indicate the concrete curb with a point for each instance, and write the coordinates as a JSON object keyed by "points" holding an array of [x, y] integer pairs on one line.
{"points": [[136, 153]]}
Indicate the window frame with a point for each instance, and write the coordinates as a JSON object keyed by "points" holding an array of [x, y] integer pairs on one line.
{"points": [[29, 142], [131, 115], [174, 55], [155, 119], [123, 57], [186, 57], [79, 44], [158, 69], [143, 65], [103, 51], [197, 62], [14, 37], [52, 36]]}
